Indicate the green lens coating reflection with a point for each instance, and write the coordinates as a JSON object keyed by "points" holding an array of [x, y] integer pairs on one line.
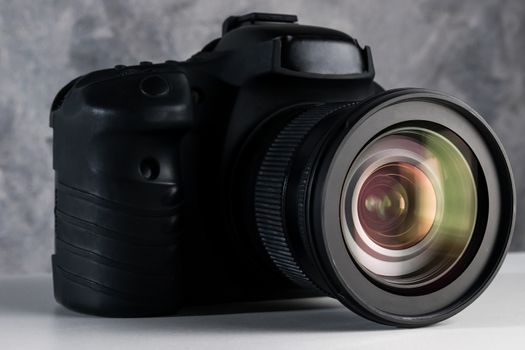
{"points": [[411, 205]]}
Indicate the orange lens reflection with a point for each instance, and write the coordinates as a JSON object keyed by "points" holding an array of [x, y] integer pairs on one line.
{"points": [[397, 205]]}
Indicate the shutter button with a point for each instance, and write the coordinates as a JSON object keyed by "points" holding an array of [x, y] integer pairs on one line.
{"points": [[154, 86]]}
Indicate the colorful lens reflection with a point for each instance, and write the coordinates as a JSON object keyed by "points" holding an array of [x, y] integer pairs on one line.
{"points": [[397, 205], [410, 205]]}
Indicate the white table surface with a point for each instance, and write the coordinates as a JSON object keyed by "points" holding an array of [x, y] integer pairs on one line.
{"points": [[30, 319]]}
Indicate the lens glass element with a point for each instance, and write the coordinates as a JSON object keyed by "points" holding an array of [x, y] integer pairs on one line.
{"points": [[409, 205]]}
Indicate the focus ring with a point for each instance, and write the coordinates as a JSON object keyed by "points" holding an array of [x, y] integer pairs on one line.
{"points": [[270, 190]]}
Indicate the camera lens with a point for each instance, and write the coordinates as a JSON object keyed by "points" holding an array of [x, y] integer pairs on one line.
{"points": [[400, 206], [386, 215], [410, 205]]}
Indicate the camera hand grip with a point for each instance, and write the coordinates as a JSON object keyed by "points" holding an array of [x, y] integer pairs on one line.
{"points": [[118, 191]]}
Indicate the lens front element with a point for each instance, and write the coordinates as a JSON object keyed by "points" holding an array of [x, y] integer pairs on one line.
{"points": [[396, 205], [409, 205]]}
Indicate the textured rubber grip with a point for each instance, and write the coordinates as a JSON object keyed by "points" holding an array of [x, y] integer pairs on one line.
{"points": [[116, 155], [124, 266]]}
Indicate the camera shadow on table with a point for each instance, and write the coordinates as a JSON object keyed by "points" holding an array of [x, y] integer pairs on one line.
{"points": [[32, 297]]}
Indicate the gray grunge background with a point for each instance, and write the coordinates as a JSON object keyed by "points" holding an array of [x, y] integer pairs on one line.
{"points": [[473, 49]]}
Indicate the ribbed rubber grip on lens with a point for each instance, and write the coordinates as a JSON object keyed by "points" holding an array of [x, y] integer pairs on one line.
{"points": [[270, 190]]}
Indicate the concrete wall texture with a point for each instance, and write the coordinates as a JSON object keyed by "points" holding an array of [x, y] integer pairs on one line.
{"points": [[473, 49]]}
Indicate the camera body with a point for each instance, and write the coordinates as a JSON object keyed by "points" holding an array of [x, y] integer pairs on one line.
{"points": [[145, 155], [271, 165]]}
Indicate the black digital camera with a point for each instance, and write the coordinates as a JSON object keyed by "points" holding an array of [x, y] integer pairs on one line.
{"points": [[271, 165]]}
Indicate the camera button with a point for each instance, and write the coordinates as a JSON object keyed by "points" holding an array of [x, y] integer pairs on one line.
{"points": [[154, 86]]}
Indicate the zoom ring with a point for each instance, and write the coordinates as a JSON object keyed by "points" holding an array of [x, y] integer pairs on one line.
{"points": [[270, 187]]}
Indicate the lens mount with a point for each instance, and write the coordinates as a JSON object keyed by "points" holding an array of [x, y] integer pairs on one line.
{"points": [[384, 204]]}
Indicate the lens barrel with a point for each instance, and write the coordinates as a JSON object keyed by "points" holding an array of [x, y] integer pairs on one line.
{"points": [[384, 204]]}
